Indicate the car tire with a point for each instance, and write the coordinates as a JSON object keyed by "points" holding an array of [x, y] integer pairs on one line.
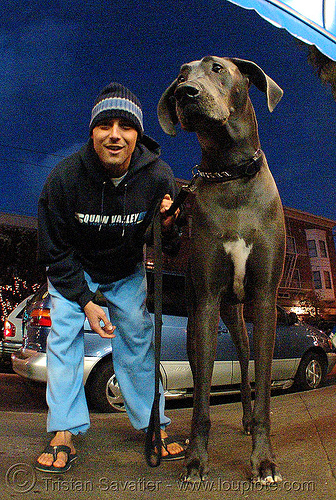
{"points": [[102, 389], [311, 373]]}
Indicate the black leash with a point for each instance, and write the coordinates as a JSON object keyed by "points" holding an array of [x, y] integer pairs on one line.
{"points": [[153, 436]]}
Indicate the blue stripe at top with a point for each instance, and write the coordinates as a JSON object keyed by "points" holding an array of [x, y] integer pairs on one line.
{"points": [[117, 103]]}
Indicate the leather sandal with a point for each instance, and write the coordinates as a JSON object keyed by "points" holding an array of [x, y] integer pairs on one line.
{"points": [[172, 456], [54, 450]]}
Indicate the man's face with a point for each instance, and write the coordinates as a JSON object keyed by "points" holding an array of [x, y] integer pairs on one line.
{"points": [[114, 141]]}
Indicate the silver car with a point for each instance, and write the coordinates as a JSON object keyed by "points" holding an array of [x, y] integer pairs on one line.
{"points": [[302, 355]]}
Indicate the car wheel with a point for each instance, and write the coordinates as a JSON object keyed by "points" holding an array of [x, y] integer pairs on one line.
{"points": [[102, 389], [311, 372]]}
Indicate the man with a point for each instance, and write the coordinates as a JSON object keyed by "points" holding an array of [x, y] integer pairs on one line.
{"points": [[95, 213]]}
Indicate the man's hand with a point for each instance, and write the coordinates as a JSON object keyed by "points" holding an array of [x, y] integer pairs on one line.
{"points": [[95, 314], [167, 221]]}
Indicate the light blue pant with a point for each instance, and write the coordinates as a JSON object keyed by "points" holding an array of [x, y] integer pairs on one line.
{"points": [[133, 355]]}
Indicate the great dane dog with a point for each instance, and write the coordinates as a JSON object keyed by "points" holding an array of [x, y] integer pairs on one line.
{"points": [[237, 243]]}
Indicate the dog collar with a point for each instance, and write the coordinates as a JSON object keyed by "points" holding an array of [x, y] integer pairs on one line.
{"points": [[246, 169]]}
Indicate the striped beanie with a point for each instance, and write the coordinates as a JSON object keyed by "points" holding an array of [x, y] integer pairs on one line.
{"points": [[116, 101]]}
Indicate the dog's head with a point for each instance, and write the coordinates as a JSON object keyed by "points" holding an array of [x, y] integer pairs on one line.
{"points": [[210, 91]]}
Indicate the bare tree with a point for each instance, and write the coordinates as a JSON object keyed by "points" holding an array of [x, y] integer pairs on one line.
{"points": [[325, 67]]}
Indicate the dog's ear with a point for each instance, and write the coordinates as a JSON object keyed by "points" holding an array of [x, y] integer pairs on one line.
{"points": [[166, 110], [262, 81]]}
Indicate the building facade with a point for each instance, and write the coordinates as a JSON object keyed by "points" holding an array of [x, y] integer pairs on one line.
{"points": [[309, 277]]}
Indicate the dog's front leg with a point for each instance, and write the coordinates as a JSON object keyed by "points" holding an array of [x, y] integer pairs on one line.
{"points": [[262, 458], [202, 343]]}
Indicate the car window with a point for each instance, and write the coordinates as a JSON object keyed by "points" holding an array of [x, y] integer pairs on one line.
{"points": [[282, 318]]}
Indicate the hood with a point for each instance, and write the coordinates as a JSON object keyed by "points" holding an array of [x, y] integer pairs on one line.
{"points": [[146, 151]]}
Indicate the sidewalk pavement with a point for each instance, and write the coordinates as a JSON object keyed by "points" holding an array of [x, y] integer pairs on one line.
{"points": [[111, 461]]}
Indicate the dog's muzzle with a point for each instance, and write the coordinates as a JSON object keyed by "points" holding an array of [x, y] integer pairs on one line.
{"points": [[184, 93]]}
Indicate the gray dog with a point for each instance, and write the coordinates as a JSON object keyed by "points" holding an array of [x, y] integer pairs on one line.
{"points": [[237, 245]]}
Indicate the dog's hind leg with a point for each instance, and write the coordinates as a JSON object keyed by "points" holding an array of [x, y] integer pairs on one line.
{"points": [[191, 338], [232, 315]]}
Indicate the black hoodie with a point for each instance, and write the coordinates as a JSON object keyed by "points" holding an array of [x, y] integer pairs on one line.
{"points": [[88, 224]]}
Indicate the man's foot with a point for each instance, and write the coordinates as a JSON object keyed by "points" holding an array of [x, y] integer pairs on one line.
{"points": [[171, 450], [61, 438]]}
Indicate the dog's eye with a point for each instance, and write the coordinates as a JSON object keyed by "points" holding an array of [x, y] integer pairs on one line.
{"points": [[217, 68], [180, 79]]}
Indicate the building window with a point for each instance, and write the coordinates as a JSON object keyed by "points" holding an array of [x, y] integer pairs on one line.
{"points": [[327, 279], [296, 280], [290, 244], [317, 280], [323, 248], [312, 250]]}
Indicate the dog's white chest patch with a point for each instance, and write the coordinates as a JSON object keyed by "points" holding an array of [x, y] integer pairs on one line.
{"points": [[239, 253]]}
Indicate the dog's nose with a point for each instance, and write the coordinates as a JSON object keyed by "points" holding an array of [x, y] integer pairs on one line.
{"points": [[184, 91]]}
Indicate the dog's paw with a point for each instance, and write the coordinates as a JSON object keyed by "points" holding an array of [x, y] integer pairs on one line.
{"points": [[267, 474], [193, 476], [194, 472], [264, 481]]}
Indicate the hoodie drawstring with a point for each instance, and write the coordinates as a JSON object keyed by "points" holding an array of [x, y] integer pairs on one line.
{"points": [[124, 212], [102, 205], [124, 208]]}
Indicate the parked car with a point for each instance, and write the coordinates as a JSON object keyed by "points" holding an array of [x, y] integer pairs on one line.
{"points": [[11, 340], [303, 354]]}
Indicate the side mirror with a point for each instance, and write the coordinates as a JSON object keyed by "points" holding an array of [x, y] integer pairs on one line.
{"points": [[292, 318]]}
